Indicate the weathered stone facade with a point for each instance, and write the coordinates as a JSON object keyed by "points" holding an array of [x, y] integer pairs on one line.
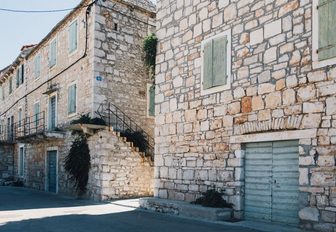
{"points": [[118, 170], [6, 162], [92, 67], [275, 94]]}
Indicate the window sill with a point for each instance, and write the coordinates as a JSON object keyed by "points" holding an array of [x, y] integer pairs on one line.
{"points": [[71, 115], [215, 89], [320, 64]]}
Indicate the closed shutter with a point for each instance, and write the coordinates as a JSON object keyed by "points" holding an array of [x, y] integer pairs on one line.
{"points": [[18, 77], [72, 99], [151, 110], [327, 29], [36, 114], [52, 53], [215, 63], [37, 66], [73, 36], [219, 61], [207, 65], [10, 85]]}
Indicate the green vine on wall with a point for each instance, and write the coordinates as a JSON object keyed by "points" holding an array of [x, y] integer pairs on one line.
{"points": [[149, 47], [77, 163]]}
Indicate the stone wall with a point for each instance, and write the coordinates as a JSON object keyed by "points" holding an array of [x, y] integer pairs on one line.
{"points": [[118, 59], [200, 139], [117, 169], [6, 162]]}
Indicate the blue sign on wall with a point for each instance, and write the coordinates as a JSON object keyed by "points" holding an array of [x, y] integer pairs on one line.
{"points": [[99, 78]]}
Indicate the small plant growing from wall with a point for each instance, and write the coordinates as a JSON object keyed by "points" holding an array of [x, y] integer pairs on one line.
{"points": [[77, 163], [212, 198], [149, 47]]}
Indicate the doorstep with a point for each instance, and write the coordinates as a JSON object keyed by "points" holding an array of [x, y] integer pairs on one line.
{"points": [[185, 209]]}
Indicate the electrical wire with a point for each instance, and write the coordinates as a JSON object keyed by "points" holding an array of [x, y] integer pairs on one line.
{"points": [[41, 11]]}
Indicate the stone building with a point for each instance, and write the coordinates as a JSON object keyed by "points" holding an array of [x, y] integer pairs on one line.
{"points": [[91, 62], [246, 103]]}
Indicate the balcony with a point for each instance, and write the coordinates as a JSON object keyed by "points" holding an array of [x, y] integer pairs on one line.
{"points": [[30, 129]]}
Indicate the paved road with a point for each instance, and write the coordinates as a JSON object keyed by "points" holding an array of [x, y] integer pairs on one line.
{"points": [[32, 211]]}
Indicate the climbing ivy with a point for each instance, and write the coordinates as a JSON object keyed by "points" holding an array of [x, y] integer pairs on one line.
{"points": [[149, 47], [77, 163]]}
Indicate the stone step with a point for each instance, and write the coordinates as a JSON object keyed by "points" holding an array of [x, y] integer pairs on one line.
{"points": [[186, 209]]}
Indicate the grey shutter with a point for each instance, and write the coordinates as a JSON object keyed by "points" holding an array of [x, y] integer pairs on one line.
{"points": [[37, 66], [219, 66], [207, 65], [73, 36], [17, 77], [36, 114], [52, 53], [151, 110], [327, 29], [72, 99]]}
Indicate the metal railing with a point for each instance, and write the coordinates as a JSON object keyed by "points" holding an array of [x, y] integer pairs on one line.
{"points": [[28, 126], [115, 117]]}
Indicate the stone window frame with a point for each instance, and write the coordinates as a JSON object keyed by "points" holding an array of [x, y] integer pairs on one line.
{"points": [[217, 89], [148, 101], [19, 160], [315, 40], [55, 148], [70, 115], [71, 52]]}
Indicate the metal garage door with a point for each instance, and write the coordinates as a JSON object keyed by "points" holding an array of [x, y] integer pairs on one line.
{"points": [[271, 182]]}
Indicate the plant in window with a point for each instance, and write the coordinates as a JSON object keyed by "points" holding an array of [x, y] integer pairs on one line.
{"points": [[149, 47]]}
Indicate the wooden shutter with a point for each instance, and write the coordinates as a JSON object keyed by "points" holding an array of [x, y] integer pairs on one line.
{"points": [[151, 110], [73, 36], [207, 65], [17, 77], [52, 53], [37, 66], [72, 99], [327, 29], [219, 64]]}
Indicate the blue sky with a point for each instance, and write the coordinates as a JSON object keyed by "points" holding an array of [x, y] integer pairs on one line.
{"points": [[18, 29]]}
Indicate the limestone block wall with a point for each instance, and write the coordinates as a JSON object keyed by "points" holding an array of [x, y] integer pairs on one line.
{"points": [[35, 165], [273, 88], [117, 169], [6, 162], [118, 59]]}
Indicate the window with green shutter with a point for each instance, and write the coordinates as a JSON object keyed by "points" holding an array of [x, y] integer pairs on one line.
{"points": [[72, 99], [73, 37], [37, 64], [151, 101], [52, 53], [36, 114], [215, 62], [327, 29], [10, 84]]}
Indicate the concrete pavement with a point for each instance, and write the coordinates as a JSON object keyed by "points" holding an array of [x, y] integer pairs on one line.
{"points": [[33, 211]]}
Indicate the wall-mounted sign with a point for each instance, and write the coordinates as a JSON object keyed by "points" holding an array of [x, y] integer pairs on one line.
{"points": [[99, 78]]}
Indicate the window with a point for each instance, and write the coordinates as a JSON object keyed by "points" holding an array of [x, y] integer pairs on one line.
{"points": [[151, 100], [73, 37], [324, 33], [116, 26], [1, 92], [20, 117], [37, 64], [216, 67], [72, 99], [36, 114], [21, 160], [52, 113], [20, 76], [10, 85], [52, 53]]}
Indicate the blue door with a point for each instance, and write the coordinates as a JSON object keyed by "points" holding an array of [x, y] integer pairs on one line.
{"points": [[52, 171]]}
